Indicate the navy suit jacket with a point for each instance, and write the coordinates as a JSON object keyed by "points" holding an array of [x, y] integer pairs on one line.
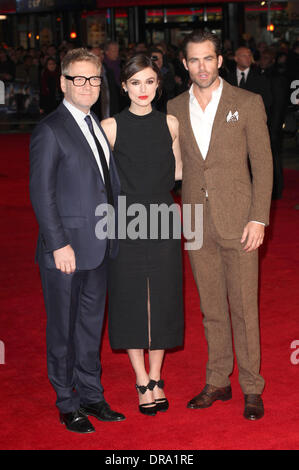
{"points": [[66, 186], [256, 83]]}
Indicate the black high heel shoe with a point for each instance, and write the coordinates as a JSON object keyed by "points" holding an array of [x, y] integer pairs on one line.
{"points": [[162, 404], [147, 408]]}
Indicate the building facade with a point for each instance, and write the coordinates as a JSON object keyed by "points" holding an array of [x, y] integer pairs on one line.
{"points": [[34, 23]]}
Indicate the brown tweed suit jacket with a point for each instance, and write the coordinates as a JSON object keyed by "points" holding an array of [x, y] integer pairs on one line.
{"points": [[236, 195]]}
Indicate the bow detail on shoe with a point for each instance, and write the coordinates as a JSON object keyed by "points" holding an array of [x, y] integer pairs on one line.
{"points": [[152, 383], [142, 388], [162, 404]]}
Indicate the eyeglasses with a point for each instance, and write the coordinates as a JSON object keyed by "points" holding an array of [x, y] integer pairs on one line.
{"points": [[80, 81], [155, 58]]}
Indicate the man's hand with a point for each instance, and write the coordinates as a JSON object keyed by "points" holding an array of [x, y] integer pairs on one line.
{"points": [[254, 233], [65, 259]]}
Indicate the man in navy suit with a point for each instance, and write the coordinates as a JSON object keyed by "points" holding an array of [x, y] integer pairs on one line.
{"points": [[72, 171], [246, 76]]}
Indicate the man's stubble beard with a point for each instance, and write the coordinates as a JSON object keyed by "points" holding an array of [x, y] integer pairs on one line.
{"points": [[208, 84]]}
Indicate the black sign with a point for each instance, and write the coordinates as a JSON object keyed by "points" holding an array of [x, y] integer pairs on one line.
{"points": [[32, 6], [7, 6]]}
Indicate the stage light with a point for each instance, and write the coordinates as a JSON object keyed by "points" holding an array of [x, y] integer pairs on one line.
{"points": [[37, 37], [73, 35], [29, 35], [3, 17], [270, 27]]}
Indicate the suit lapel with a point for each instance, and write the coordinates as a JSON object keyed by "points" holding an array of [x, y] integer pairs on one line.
{"points": [[75, 133], [250, 79], [225, 105]]}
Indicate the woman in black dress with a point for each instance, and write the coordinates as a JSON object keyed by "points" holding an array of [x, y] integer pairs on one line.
{"points": [[145, 279]]}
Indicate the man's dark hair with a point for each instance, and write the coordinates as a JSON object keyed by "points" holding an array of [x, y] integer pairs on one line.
{"points": [[199, 37]]}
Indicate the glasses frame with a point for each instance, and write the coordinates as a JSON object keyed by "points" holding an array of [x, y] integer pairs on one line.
{"points": [[68, 77]]}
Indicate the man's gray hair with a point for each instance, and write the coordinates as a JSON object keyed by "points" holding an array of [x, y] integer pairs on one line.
{"points": [[78, 55]]}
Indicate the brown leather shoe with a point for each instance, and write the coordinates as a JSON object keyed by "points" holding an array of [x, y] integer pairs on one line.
{"points": [[254, 407], [208, 395]]}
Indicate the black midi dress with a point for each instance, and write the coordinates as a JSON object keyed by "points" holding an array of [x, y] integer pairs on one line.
{"points": [[145, 279]]}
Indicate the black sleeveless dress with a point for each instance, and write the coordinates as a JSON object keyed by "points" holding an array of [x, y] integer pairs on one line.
{"points": [[146, 267]]}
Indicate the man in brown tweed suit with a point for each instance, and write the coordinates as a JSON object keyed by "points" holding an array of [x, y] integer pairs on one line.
{"points": [[220, 126]]}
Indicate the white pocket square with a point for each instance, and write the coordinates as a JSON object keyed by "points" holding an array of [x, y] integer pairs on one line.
{"points": [[232, 117]]}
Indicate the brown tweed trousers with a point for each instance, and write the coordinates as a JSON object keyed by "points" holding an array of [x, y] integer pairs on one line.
{"points": [[226, 275]]}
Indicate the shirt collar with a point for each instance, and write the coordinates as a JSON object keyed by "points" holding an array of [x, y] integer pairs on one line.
{"points": [[246, 71], [215, 94], [77, 114]]}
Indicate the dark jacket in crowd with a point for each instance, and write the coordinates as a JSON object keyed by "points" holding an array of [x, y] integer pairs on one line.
{"points": [[110, 99], [50, 94], [255, 83]]}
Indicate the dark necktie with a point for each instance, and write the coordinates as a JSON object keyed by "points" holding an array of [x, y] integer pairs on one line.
{"points": [[242, 81], [103, 162]]}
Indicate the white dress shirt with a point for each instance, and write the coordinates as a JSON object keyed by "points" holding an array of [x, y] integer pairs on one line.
{"points": [[79, 116], [239, 74], [202, 121]]}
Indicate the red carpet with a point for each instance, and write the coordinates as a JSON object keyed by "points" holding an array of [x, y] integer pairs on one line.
{"points": [[28, 417]]}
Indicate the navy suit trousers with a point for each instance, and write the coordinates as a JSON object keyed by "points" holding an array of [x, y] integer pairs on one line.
{"points": [[75, 306]]}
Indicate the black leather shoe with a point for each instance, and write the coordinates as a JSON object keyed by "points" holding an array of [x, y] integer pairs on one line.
{"points": [[254, 407], [208, 395], [76, 422], [101, 411]]}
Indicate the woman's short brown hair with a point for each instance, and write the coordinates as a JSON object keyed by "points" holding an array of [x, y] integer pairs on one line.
{"points": [[137, 63], [78, 55]]}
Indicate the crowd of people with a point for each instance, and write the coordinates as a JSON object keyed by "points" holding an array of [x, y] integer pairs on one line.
{"points": [[40, 69], [33, 80]]}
